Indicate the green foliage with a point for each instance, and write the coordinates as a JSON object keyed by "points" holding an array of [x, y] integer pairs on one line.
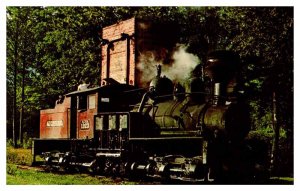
{"points": [[18, 156], [27, 141], [9, 143], [11, 170]]}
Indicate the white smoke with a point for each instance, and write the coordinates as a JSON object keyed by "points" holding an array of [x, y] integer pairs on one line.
{"points": [[182, 65], [147, 66]]}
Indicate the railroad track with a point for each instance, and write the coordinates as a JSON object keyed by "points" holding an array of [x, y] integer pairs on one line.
{"points": [[36, 168]]}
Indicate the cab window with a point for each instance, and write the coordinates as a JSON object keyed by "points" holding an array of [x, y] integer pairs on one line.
{"points": [[82, 102]]}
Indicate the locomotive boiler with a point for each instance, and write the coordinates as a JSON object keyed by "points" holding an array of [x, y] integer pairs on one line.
{"points": [[196, 132]]}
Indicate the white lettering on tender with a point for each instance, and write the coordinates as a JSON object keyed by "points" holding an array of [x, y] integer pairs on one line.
{"points": [[85, 124], [56, 123]]}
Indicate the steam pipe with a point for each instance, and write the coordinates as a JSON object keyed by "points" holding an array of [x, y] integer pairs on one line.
{"points": [[142, 104], [127, 59], [108, 59]]}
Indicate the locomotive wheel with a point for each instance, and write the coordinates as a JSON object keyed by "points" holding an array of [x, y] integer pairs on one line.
{"points": [[95, 168], [107, 167], [152, 168], [122, 169], [100, 166], [126, 169], [49, 167], [65, 164], [50, 161], [166, 174]]}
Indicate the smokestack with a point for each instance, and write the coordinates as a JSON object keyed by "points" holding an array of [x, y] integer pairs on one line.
{"points": [[158, 68]]}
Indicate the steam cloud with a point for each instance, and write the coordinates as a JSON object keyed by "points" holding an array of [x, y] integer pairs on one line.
{"points": [[180, 69], [147, 66], [182, 66]]}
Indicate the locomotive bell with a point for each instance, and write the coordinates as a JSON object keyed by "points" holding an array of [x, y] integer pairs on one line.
{"points": [[195, 89]]}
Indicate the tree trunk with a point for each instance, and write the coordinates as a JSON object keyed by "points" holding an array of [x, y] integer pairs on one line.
{"points": [[275, 144], [15, 104], [22, 98], [14, 115]]}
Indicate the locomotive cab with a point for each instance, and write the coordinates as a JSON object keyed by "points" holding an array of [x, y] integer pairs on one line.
{"points": [[84, 105], [72, 121]]}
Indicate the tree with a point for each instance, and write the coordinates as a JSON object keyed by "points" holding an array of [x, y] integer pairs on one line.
{"points": [[20, 51], [264, 37]]}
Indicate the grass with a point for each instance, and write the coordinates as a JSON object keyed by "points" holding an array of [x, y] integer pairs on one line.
{"points": [[282, 180], [17, 176]]}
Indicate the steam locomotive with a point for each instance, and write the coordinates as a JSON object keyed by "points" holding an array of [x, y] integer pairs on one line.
{"points": [[194, 131], [191, 133]]}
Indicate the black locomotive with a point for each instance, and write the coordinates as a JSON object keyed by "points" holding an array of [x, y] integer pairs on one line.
{"points": [[192, 132]]}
